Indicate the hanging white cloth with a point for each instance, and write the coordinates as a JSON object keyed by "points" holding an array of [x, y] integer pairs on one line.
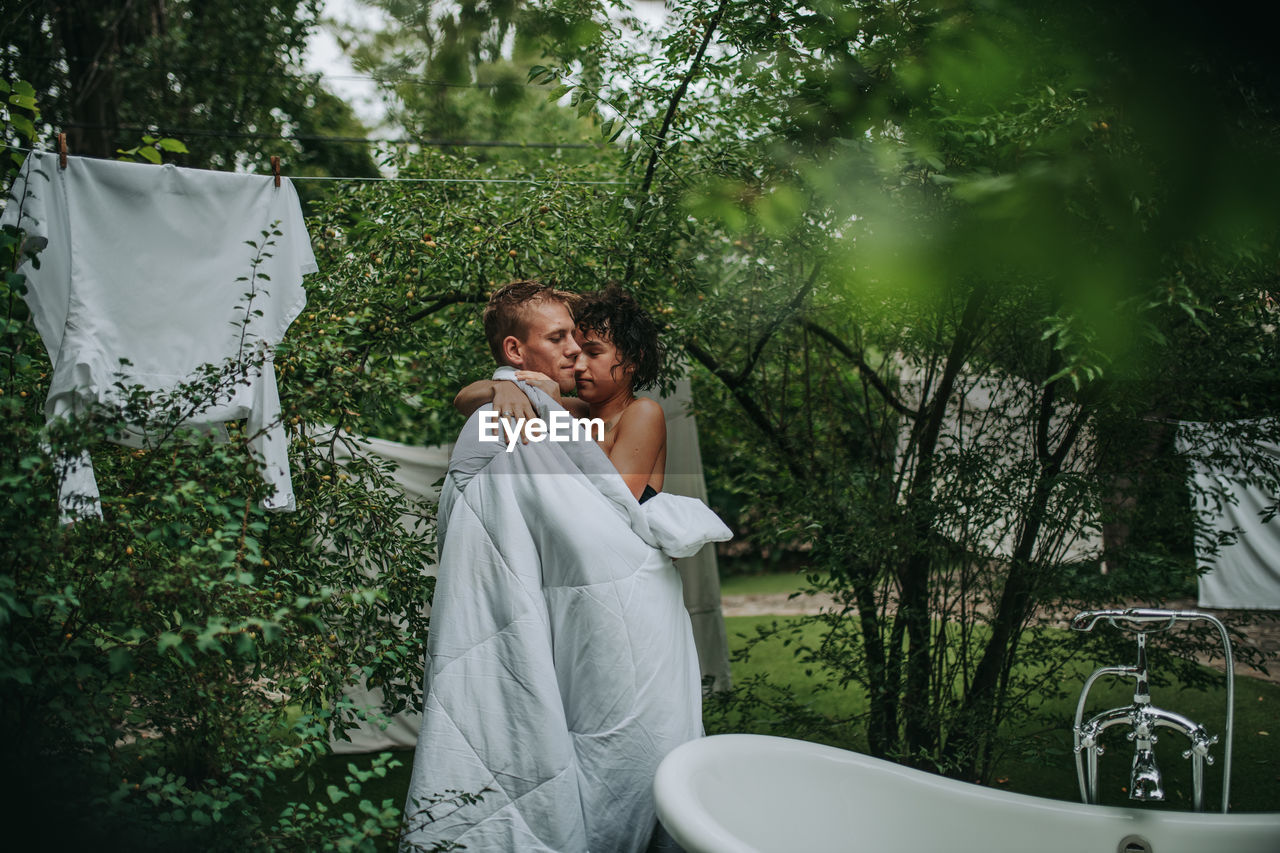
{"points": [[699, 573], [418, 473], [156, 266], [1236, 500]]}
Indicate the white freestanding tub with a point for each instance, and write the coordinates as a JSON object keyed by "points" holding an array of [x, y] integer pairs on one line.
{"points": [[759, 794]]}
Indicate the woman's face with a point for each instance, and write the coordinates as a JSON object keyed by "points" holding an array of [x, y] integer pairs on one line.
{"points": [[599, 373]]}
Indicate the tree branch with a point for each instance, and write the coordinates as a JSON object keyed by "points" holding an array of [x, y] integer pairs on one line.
{"points": [[863, 368], [452, 299], [790, 456], [661, 140], [773, 327]]}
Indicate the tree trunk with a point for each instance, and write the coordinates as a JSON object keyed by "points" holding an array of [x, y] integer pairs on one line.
{"points": [[92, 39], [914, 580], [882, 720], [89, 48], [1017, 600]]}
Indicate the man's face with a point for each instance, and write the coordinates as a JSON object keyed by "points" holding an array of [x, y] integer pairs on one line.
{"points": [[548, 346]]}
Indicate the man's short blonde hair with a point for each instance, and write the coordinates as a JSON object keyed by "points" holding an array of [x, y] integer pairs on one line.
{"points": [[507, 315]]}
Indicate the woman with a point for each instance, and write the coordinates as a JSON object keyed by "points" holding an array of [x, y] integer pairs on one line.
{"points": [[620, 355]]}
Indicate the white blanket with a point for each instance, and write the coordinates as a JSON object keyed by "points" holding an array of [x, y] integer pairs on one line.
{"points": [[560, 666]]}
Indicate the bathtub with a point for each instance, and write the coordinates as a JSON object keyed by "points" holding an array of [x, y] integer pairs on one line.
{"points": [[759, 794]]}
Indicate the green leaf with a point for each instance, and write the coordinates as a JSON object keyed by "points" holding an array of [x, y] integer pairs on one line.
{"points": [[22, 675], [335, 794], [150, 154], [172, 145], [120, 659], [25, 127]]}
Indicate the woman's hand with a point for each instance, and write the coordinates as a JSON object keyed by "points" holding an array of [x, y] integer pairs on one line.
{"points": [[511, 403], [508, 398], [541, 381]]}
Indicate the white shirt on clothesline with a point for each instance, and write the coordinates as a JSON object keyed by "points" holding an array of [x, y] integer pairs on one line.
{"points": [[152, 264]]}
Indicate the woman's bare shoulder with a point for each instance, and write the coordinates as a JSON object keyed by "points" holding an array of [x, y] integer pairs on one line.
{"points": [[644, 413]]}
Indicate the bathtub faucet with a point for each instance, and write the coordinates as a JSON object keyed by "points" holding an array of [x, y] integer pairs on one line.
{"points": [[1142, 718]]}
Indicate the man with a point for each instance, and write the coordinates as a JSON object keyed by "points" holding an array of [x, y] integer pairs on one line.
{"points": [[560, 665]]}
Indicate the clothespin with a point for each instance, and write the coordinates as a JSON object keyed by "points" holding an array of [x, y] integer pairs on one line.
{"points": [[62, 151], [275, 168]]}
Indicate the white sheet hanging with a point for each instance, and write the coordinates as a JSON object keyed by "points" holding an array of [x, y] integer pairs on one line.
{"points": [[418, 473], [699, 573], [152, 264], [1245, 574]]}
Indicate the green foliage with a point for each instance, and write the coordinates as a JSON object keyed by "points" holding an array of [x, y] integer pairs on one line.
{"points": [[406, 267], [167, 664], [459, 72], [881, 211], [152, 149], [349, 829], [223, 75]]}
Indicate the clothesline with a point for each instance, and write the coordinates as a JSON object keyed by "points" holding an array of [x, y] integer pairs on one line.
{"points": [[462, 180], [423, 180], [268, 74], [336, 140]]}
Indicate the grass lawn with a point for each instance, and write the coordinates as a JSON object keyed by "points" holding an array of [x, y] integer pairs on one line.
{"points": [[775, 584]]}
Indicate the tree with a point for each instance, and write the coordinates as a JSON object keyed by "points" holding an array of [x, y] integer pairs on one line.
{"points": [[456, 73], [223, 76], [882, 210]]}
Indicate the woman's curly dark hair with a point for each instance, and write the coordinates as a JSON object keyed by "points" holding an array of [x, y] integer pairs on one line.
{"points": [[614, 314]]}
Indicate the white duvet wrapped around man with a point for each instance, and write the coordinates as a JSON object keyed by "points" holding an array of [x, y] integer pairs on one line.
{"points": [[561, 666]]}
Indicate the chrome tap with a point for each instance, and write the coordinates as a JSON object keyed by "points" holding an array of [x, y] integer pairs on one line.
{"points": [[1143, 718], [1145, 782], [1144, 779]]}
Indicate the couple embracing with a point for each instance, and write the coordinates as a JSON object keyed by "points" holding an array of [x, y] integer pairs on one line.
{"points": [[560, 666]]}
